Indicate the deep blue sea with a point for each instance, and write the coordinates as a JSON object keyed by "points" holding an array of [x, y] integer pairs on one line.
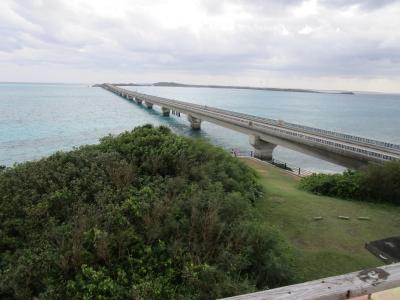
{"points": [[38, 119]]}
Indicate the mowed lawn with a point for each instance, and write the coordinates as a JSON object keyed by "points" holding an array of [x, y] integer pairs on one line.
{"points": [[330, 246]]}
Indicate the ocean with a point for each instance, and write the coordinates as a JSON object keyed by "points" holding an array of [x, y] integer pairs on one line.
{"points": [[37, 120]]}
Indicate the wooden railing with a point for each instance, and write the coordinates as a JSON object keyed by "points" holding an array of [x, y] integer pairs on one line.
{"points": [[341, 287]]}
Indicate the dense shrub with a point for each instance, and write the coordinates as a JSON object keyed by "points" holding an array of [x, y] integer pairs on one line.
{"points": [[383, 182], [376, 183], [145, 215], [346, 185]]}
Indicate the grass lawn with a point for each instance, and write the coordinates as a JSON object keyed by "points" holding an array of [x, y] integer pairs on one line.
{"points": [[330, 246]]}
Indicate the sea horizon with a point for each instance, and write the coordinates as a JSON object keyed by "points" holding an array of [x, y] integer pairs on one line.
{"points": [[186, 83]]}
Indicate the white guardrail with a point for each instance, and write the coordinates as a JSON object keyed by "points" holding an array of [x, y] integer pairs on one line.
{"points": [[358, 145]]}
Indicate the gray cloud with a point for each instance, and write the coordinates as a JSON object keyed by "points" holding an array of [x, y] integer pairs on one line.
{"points": [[309, 39]]}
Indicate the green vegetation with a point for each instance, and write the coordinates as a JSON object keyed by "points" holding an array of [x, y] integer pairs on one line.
{"points": [[330, 246], [376, 183], [145, 215]]}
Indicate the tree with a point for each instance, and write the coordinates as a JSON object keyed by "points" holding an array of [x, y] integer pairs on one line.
{"points": [[145, 215]]}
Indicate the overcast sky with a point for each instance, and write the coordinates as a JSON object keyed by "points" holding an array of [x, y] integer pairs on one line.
{"points": [[338, 44]]}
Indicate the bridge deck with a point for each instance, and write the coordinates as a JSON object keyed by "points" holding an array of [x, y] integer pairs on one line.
{"points": [[343, 144]]}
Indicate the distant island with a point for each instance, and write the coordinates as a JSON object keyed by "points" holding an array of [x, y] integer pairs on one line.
{"points": [[175, 84]]}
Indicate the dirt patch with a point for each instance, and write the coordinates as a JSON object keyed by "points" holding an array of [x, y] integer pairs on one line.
{"points": [[278, 200]]}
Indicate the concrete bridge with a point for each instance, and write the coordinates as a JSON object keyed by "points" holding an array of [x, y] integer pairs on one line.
{"points": [[265, 134]]}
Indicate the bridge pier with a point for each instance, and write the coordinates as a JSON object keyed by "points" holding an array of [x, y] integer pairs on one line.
{"points": [[138, 101], [149, 105], [194, 122], [165, 111], [262, 149]]}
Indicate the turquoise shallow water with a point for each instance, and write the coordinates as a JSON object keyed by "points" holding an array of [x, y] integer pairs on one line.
{"points": [[39, 119]]}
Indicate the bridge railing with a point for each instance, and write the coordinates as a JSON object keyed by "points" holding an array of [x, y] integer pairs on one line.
{"points": [[322, 132], [313, 130], [282, 131], [279, 128], [271, 126], [346, 136]]}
